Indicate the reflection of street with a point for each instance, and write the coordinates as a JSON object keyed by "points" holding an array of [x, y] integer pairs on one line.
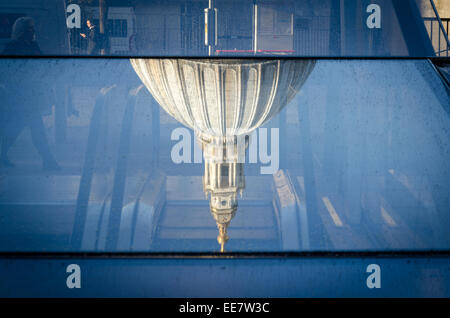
{"points": [[244, 28]]}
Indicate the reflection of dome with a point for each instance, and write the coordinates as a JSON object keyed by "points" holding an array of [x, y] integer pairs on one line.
{"points": [[223, 179], [222, 97], [223, 100]]}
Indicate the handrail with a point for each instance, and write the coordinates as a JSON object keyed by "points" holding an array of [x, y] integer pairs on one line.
{"points": [[84, 190], [120, 173], [440, 23]]}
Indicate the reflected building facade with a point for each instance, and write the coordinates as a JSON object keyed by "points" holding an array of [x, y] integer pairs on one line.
{"points": [[230, 28], [223, 101]]}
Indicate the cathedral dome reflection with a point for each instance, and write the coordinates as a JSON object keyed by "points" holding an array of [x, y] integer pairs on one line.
{"points": [[223, 101]]}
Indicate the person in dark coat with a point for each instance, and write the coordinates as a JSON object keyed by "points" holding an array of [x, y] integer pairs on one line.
{"points": [[23, 39], [23, 96], [93, 37]]}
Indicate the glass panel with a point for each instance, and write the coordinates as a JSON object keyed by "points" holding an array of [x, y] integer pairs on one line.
{"points": [[296, 28], [241, 155]]}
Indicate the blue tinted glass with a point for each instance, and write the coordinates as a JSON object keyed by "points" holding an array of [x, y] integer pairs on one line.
{"points": [[306, 28], [241, 155]]}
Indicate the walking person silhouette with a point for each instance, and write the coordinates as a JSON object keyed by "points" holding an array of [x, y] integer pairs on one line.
{"points": [[22, 102]]}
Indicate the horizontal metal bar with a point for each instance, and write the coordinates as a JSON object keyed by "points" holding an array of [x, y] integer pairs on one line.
{"points": [[252, 57], [226, 255]]}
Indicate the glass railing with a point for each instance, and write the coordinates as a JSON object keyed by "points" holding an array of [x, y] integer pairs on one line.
{"points": [[196, 148], [240, 155]]}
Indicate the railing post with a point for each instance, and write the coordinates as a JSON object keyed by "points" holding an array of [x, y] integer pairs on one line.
{"points": [[441, 28]]}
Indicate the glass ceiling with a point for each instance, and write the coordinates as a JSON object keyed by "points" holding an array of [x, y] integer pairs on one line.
{"points": [[238, 155]]}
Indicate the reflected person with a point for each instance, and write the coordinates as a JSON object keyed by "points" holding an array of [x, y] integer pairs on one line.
{"points": [[93, 37], [23, 38], [23, 99]]}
